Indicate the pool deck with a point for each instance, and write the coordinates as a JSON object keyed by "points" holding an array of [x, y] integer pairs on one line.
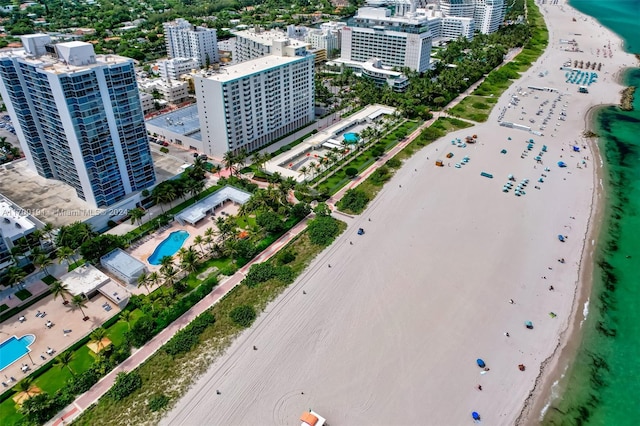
{"points": [[63, 318], [145, 249]]}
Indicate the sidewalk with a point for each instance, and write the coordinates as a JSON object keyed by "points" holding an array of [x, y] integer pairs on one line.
{"points": [[142, 354]]}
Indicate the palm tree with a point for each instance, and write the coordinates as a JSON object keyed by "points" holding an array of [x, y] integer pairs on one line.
{"points": [[199, 240], [258, 159], [241, 158], [143, 280], [15, 275], [166, 261], [154, 278], [169, 273], [97, 336], [79, 302], [229, 161], [169, 194], [58, 288], [126, 317], [64, 360], [189, 260], [65, 254], [304, 170], [136, 215], [27, 387], [216, 169], [42, 261], [195, 187]]}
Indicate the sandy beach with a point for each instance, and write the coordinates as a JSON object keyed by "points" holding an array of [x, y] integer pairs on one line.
{"points": [[390, 333]]}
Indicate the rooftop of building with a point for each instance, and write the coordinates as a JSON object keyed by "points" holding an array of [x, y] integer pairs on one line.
{"points": [[52, 201], [184, 121], [121, 261], [56, 65], [14, 220], [84, 280], [253, 66], [267, 37]]}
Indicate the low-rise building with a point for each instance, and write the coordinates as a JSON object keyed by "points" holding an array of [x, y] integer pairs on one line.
{"points": [[172, 69]]}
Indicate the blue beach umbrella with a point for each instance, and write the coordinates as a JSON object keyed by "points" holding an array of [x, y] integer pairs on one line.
{"points": [[475, 415], [481, 363]]}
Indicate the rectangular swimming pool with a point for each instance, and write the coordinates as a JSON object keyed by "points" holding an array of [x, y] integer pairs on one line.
{"points": [[13, 349]]}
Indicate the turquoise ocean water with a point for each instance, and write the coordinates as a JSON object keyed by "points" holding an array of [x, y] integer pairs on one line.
{"points": [[602, 385]]}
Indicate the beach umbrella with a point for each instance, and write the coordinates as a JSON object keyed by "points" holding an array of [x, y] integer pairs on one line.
{"points": [[480, 363], [509, 138], [531, 140], [528, 324], [475, 415]]}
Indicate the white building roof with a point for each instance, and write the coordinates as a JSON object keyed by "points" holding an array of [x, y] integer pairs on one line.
{"points": [[14, 222], [267, 37], [251, 67], [122, 262], [84, 280], [199, 210]]}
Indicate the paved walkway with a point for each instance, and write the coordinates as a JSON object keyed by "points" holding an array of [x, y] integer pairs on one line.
{"points": [[99, 389]]}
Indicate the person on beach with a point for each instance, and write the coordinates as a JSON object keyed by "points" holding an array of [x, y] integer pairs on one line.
{"points": [[511, 301], [506, 334], [551, 288], [479, 387]]}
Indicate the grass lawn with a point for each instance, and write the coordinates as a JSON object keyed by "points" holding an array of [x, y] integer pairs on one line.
{"points": [[56, 377], [115, 333], [74, 265], [475, 108], [23, 294], [9, 413], [48, 280]]}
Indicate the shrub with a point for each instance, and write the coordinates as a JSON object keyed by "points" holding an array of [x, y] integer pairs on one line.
{"points": [[300, 210], [39, 408], [285, 256], [82, 382], [323, 230], [158, 401], [351, 172], [354, 200], [259, 273], [377, 151], [394, 163], [188, 337], [164, 150], [270, 221], [125, 385], [141, 332], [243, 315], [381, 175]]}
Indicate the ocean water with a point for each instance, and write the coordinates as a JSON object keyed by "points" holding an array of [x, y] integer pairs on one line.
{"points": [[602, 385]]}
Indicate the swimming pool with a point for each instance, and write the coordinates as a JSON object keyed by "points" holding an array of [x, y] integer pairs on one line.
{"points": [[351, 138], [13, 349], [168, 247]]}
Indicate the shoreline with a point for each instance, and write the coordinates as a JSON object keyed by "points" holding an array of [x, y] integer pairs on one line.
{"points": [[551, 382], [553, 369]]}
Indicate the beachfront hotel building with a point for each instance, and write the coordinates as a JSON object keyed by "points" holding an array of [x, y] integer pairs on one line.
{"points": [[256, 42], [402, 39], [78, 117], [489, 15], [249, 105], [184, 40]]}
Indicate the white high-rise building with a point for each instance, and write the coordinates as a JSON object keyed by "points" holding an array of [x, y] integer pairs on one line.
{"points": [[489, 15], [186, 41], [402, 40], [460, 8], [78, 117], [172, 69], [249, 105], [320, 39], [254, 43]]}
